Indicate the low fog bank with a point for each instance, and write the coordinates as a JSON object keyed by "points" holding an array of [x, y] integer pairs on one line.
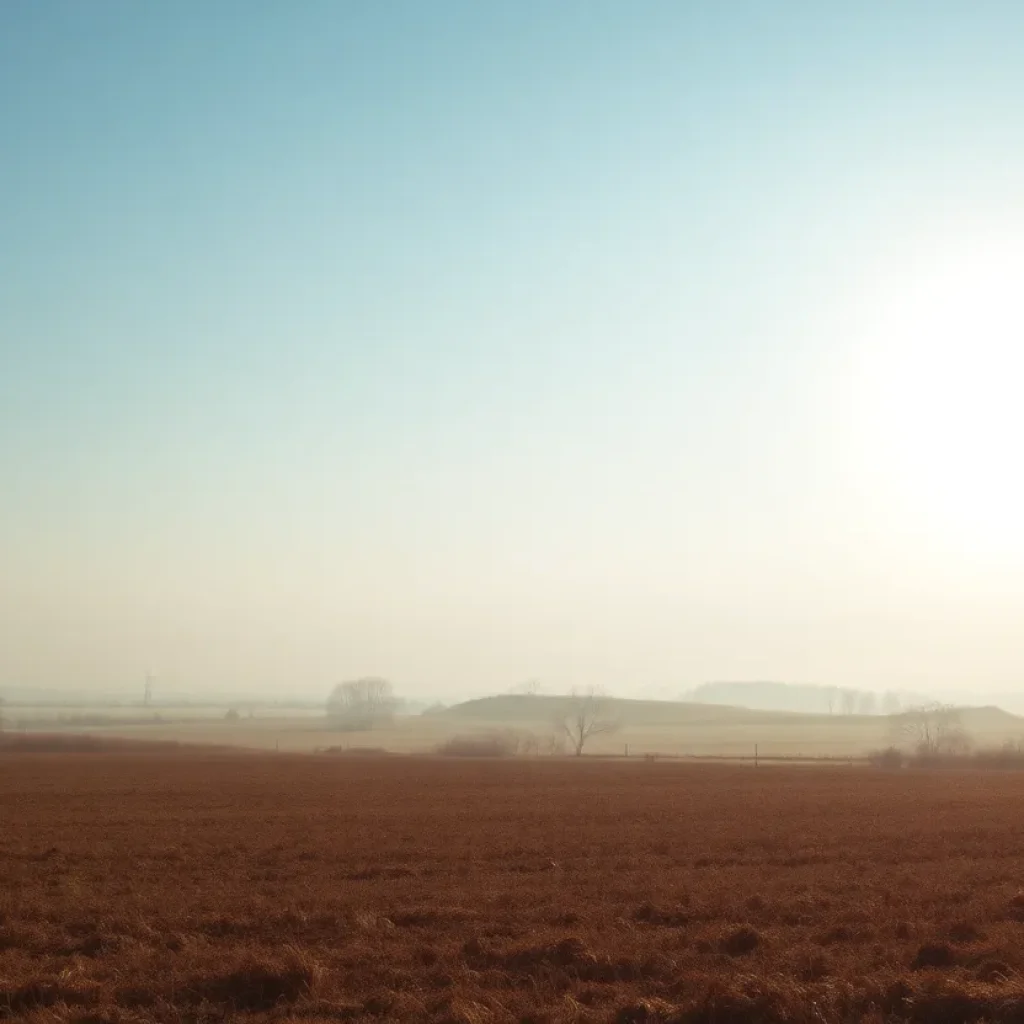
{"points": [[740, 720]]}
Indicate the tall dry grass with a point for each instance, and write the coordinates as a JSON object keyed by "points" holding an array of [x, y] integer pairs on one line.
{"points": [[171, 887]]}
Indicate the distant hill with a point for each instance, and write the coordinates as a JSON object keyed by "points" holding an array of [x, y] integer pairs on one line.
{"points": [[529, 708], [990, 719]]}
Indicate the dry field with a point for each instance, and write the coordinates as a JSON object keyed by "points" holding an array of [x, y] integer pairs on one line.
{"points": [[205, 887], [846, 736]]}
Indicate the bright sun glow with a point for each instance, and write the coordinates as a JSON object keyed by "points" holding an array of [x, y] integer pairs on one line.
{"points": [[940, 396]]}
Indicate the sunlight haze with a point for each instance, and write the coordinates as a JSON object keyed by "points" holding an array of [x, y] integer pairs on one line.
{"points": [[462, 343]]}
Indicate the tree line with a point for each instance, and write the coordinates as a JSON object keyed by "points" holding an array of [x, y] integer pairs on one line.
{"points": [[806, 698]]}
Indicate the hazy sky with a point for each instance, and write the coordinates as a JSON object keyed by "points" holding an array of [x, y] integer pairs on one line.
{"points": [[625, 343]]}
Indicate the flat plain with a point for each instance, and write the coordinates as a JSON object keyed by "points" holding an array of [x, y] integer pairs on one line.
{"points": [[191, 886], [665, 728]]}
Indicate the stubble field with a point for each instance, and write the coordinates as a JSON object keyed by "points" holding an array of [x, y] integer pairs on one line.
{"points": [[207, 887]]}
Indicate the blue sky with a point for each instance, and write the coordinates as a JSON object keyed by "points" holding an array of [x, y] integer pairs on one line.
{"points": [[469, 342]]}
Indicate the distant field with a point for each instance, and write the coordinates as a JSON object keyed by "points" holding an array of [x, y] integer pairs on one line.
{"points": [[171, 887], [646, 727], [287, 733], [49, 714]]}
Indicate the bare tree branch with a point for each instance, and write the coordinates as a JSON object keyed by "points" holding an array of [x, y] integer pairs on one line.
{"points": [[586, 715], [932, 730]]}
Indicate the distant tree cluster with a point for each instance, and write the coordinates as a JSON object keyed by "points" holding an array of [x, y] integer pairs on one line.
{"points": [[802, 697], [852, 702], [361, 704]]}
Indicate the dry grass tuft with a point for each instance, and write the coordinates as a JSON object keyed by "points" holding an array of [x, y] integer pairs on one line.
{"points": [[645, 1011], [933, 955], [963, 932], [740, 942], [647, 913], [1016, 909], [256, 985]]}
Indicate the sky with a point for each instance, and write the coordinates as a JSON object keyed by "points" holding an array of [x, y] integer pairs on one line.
{"points": [[602, 343]]}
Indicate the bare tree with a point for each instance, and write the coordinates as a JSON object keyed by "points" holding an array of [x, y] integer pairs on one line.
{"points": [[933, 730], [584, 716], [848, 701], [361, 703]]}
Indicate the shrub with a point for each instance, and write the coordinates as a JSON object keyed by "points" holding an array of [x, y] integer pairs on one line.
{"points": [[505, 743], [891, 757], [1009, 757], [500, 743]]}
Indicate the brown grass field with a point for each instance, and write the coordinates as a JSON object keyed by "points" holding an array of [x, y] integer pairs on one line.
{"points": [[188, 886]]}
